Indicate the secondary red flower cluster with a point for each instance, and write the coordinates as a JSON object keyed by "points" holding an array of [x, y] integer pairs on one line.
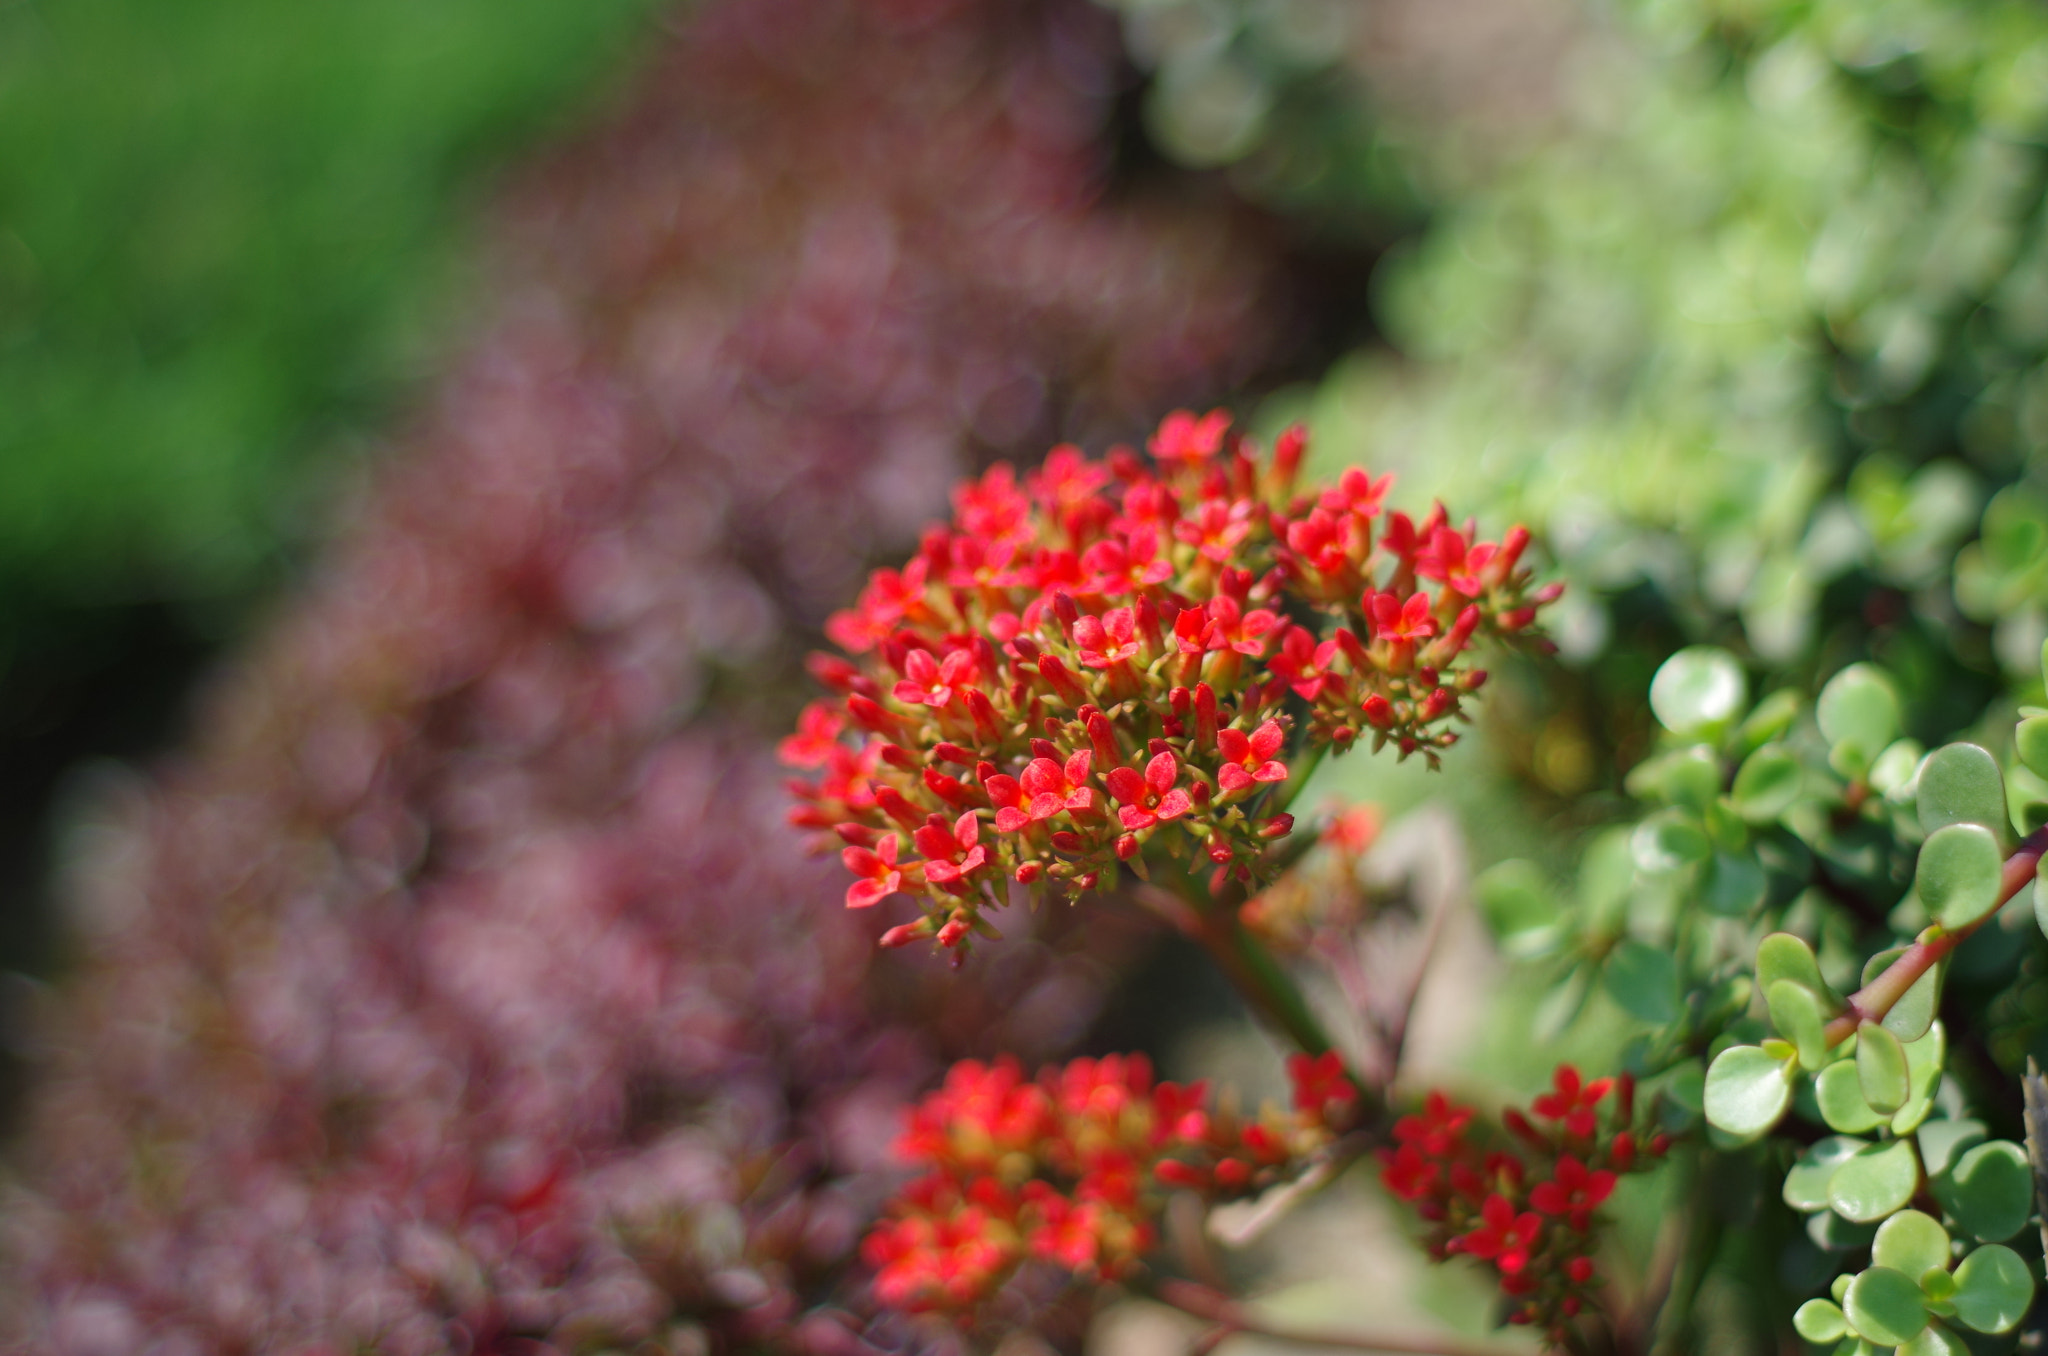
{"points": [[1527, 1208], [1116, 652], [1070, 1169]]}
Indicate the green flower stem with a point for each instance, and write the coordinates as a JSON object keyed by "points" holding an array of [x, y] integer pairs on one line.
{"points": [[1875, 999]]}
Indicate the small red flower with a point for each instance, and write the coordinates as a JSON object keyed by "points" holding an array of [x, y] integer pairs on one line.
{"points": [[1186, 439], [1152, 798], [816, 738], [1305, 664], [1575, 1192], [1109, 639], [1445, 558], [1320, 1080], [1437, 1129], [1571, 1101], [950, 853], [1504, 1238], [1358, 493], [930, 682], [876, 870], [1248, 759], [1407, 1172], [1397, 621]]}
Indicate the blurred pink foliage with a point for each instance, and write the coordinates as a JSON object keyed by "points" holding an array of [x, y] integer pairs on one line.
{"points": [[460, 987]]}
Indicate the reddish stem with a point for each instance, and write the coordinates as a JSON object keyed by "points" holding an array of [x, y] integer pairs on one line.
{"points": [[1871, 1002]]}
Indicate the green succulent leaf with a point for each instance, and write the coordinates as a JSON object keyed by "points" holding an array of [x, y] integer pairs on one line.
{"points": [[1767, 784], [1747, 1090], [1880, 1068], [1643, 980], [1925, 1058], [1874, 1182], [1519, 907], [1734, 885], [1780, 955], [1797, 1013], [1993, 1289], [2030, 741], [1892, 775], [1829, 1231], [1690, 777], [1806, 1184], [1859, 715], [1959, 874], [1840, 1095], [1988, 1189], [1669, 841], [1961, 784], [1885, 1307], [1820, 1320], [1699, 692], [1943, 1142], [1910, 1017], [1934, 1341], [1912, 1242]]}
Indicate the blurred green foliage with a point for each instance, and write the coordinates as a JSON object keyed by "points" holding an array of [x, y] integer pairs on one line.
{"points": [[225, 230]]}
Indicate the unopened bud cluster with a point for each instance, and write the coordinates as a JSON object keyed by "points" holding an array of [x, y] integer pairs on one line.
{"points": [[1071, 1170], [1116, 655], [1524, 1203]]}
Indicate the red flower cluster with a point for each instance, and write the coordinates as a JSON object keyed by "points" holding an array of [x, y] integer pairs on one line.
{"points": [[1111, 653], [1525, 1209], [1068, 1169]]}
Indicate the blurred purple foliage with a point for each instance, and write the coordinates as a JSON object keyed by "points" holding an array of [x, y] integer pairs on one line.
{"points": [[459, 988]]}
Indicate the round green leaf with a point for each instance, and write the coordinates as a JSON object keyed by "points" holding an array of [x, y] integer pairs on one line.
{"points": [[1881, 1068], [1644, 980], [1924, 1061], [1669, 841], [1910, 1017], [1734, 885], [1797, 1014], [1961, 784], [1874, 1182], [1767, 784], [2030, 741], [1819, 1320], [1690, 777], [1884, 1307], [1780, 955], [1840, 1096], [1747, 1090], [1893, 773], [1859, 716], [1934, 1341], [1516, 900], [1943, 1142], [1829, 1231], [1959, 874], [1989, 1190], [1806, 1185], [1698, 691], [1993, 1289], [1912, 1242], [2026, 798]]}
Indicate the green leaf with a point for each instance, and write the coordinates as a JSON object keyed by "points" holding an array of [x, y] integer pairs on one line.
{"points": [[1993, 1289], [1690, 777], [1781, 955], [1910, 1017], [1797, 1014], [1859, 716], [1669, 841], [1747, 1090], [1699, 691], [1840, 1095], [1767, 785], [1806, 1184], [1830, 1231], [1818, 1320], [1912, 1242], [1989, 1190], [1516, 900], [1961, 784], [1771, 718], [1935, 1341], [1943, 1142], [1924, 1061], [1881, 1069], [1885, 1307], [2026, 799], [2030, 741], [1643, 979], [1874, 1182], [1734, 885], [1959, 874], [1893, 772]]}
